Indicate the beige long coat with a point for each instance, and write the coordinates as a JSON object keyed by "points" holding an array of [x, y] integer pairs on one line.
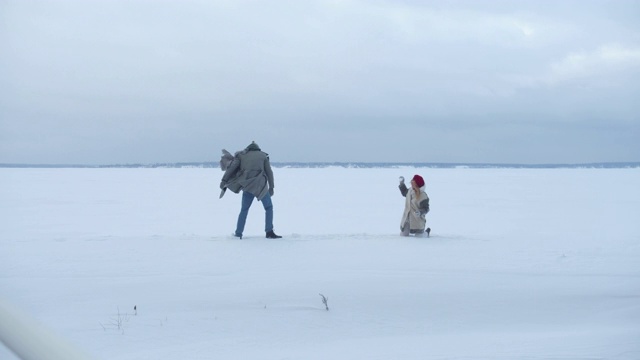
{"points": [[414, 203]]}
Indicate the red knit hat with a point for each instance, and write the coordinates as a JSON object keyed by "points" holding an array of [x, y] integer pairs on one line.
{"points": [[419, 180]]}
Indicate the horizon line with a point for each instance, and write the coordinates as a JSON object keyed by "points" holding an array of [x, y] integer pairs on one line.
{"points": [[316, 164]]}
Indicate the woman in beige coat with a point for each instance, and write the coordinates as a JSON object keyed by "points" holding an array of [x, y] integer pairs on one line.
{"points": [[415, 208]]}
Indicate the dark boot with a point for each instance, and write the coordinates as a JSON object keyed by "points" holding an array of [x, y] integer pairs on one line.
{"points": [[428, 232], [272, 235]]}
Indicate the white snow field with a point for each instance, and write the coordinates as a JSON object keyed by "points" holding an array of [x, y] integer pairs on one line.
{"points": [[522, 264]]}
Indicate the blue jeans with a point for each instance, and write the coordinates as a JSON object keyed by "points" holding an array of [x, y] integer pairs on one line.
{"points": [[247, 200]]}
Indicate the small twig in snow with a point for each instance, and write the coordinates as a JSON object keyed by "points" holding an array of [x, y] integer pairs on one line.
{"points": [[325, 301]]}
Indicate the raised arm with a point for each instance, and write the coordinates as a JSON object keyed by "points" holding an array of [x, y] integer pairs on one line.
{"points": [[403, 189]]}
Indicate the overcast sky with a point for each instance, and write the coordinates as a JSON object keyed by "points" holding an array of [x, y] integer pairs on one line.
{"points": [[105, 82]]}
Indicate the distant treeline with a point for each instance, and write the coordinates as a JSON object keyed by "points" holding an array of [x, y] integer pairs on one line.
{"points": [[363, 165]]}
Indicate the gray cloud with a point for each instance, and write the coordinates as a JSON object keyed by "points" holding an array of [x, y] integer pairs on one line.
{"points": [[491, 81]]}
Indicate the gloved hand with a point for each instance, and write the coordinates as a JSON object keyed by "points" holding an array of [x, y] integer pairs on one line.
{"points": [[223, 184], [401, 179], [271, 191], [417, 212]]}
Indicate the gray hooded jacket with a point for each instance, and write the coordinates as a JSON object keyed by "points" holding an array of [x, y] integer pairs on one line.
{"points": [[250, 171]]}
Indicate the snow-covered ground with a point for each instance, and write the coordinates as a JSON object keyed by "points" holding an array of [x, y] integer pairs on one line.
{"points": [[522, 264]]}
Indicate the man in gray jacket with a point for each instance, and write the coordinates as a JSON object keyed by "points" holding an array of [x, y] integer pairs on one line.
{"points": [[251, 172]]}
